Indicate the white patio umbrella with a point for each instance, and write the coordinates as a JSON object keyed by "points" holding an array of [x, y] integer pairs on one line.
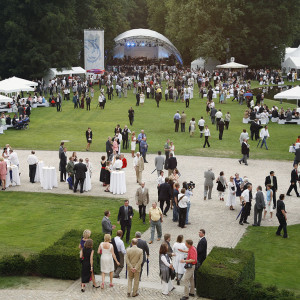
{"points": [[291, 94], [5, 99]]}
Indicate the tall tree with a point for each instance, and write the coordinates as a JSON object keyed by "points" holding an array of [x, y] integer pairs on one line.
{"points": [[157, 12]]}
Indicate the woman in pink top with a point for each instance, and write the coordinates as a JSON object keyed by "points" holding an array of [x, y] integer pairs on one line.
{"points": [[115, 145], [3, 172]]}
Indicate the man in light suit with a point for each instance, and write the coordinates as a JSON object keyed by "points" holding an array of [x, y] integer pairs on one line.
{"points": [[134, 260], [79, 171], [208, 183], [159, 163], [142, 200], [138, 163], [258, 206], [107, 227], [273, 181], [144, 246], [124, 218]]}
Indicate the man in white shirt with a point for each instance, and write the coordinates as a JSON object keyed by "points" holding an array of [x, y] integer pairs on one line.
{"points": [[121, 252], [13, 157], [117, 164], [138, 164], [201, 126], [264, 134], [246, 202], [218, 117], [32, 161]]}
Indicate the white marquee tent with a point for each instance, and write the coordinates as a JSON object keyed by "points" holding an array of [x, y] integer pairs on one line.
{"points": [[200, 63], [232, 65], [292, 60], [291, 94], [53, 72], [5, 99], [15, 84]]}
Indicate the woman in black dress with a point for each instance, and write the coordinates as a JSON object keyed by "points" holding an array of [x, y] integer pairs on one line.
{"points": [[89, 137], [102, 172], [86, 256], [107, 176]]}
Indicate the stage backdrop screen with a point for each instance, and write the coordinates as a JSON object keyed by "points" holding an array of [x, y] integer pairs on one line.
{"points": [[93, 49]]}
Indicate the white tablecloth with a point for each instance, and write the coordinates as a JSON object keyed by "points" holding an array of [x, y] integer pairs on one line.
{"points": [[39, 171], [87, 186], [117, 182], [49, 178], [15, 176]]}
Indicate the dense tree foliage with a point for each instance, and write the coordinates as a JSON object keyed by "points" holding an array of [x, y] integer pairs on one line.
{"points": [[254, 32]]}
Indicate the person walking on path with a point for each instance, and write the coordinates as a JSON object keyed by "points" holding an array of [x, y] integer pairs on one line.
{"points": [[134, 260], [209, 178], [138, 164], [159, 162], [142, 200], [119, 249], [79, 170], [294, 180], [144, 246], [32, 161], [258, 206], [272, 180], [264, 135], [281, 216], [245, 152], [155, 220], [246, 203]]}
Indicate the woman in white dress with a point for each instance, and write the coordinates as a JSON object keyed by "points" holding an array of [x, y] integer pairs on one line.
{"points": [[192, 127], [107, 256], [231, 193], [172, 148], [142, 98], [178, 266], [133, 143]]}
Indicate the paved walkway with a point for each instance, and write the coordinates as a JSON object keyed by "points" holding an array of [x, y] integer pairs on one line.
{"points": [[219, 222]]}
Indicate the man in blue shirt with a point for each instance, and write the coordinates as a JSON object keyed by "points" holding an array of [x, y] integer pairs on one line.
{"points": [[140, 137], [144, 148], [177, 118]]}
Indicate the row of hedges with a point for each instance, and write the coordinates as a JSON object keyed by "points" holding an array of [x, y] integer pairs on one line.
{"points": [[229, 274], [61, 260]]}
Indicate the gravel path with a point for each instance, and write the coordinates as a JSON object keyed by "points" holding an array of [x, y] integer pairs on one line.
{"points": [[219, 222]]}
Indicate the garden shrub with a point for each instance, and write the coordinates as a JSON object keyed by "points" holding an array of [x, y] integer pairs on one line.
{"points": [[223, 269], [12, 265]]}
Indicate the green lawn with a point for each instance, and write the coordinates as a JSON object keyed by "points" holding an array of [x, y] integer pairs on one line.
{"points": [[276, 259], [30, 222], [48, 127]]}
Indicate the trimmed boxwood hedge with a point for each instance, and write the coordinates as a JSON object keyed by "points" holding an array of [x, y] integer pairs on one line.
{"points": [[222, 270], [60, 260]]}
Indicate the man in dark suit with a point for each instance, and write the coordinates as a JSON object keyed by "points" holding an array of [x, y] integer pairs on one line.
{"points": [[201, 248], [124, 218], [294, 180], [258, 206], [144, 246], [221, 128], [164, 195], [172, 164], [79, 171], [272, 180], [63, 164], [245, 152], [107, 227], [297, 156], [125, 132], [109, 148], [137, 96]]}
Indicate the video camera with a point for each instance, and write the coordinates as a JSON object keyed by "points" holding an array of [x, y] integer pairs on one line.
{"points": [[190, 185]]}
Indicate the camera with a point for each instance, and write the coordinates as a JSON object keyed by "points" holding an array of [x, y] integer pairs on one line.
{"points": [[190, 185]]}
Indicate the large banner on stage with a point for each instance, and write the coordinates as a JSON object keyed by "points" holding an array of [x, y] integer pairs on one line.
{"points": [[93, 49]]}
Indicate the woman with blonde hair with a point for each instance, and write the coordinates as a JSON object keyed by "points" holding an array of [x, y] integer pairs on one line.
{"points": [[87, 271], [85, 236], [133, 143], [3, 172], [107, 259]]}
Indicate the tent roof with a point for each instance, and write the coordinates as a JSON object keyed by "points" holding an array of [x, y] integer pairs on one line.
{"points": [[15, 84], [149, 35], [232, 65], [5, 99], [294, 61], [293, 93], [65, 71], [23, 81]]}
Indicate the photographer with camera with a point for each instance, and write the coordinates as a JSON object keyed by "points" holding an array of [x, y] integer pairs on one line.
{"points": [[188, 192], [182, 204]]}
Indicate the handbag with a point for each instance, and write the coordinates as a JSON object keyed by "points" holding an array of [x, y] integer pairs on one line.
{"points": [[172, 274], [188, 266]]}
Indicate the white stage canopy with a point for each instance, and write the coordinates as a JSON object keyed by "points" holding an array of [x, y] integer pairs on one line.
{"points": [[5, 99], [144, 43], [291, 94]]}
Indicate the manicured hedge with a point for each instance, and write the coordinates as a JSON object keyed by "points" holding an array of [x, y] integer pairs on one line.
{"points": [[223, 269], [60, 260]]}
